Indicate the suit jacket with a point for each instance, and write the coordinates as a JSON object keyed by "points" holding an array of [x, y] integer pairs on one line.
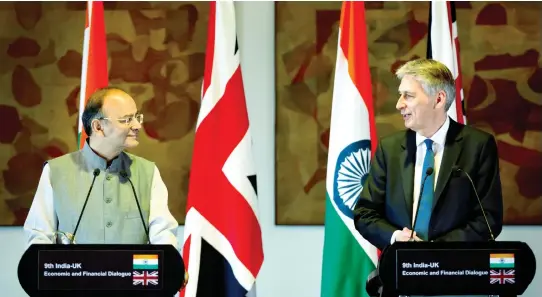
{"points": [[386, 200]]}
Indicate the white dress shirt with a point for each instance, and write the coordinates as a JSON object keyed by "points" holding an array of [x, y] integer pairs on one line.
{"points": [[439, 140], [41, 225]]}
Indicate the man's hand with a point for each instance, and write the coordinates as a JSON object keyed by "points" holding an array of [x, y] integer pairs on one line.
{"points": [[404, 235]]}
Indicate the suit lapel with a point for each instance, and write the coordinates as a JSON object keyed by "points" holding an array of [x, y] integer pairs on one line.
{"points": [[408, 158], [452, 151]]}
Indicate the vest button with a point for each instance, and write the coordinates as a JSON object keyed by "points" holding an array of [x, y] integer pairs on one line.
{"points": [[108, 177], [108, 200], [109, 224]]}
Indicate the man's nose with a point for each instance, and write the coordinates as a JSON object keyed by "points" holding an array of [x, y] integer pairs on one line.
{"points": [[400, 103], [135, 125]]}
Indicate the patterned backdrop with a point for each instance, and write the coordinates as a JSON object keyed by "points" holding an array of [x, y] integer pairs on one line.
{"points": [[502, 77], [156, 51]]}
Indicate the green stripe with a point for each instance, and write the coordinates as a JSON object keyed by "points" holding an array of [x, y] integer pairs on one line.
{"points": [[345, 264], [501, 265], [145, 266]]}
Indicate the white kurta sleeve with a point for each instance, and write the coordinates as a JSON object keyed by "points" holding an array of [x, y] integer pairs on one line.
{"points": [[162, 224], [41, 222]]}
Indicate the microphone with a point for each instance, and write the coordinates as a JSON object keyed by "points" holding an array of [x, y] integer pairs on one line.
{"points": [[125, 175], [428, 172], [95, 173], [458, 170]]}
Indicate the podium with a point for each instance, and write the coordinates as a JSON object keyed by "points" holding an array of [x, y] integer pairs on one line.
{"points": [[101, 270], [453, 268]]}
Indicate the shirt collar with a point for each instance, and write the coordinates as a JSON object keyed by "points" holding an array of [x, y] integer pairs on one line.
{"points": [[439, 137], [120, 163]]}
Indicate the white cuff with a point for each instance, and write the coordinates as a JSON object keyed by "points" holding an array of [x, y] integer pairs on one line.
{"points": [[392, 240]]}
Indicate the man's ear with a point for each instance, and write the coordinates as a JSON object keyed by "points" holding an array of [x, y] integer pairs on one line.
{"points": [[440, 101], [96, 125]]}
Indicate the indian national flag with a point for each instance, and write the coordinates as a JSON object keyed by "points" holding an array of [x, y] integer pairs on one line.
{"points": [[94, 68], [146, 262], [501, 261], [348, 258]]}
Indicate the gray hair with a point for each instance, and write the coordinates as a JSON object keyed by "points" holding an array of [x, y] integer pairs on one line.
{"points": [[433, 76]]}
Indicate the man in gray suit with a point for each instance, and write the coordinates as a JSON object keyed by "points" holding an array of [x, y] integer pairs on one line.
{"points": [[111, 213]]}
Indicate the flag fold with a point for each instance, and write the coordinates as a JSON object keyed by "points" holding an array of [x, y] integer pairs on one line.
{"points": [[348, 258], [222, 236], [443, 46], [94, 74]]}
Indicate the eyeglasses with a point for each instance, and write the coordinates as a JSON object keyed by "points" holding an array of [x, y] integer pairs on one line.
{"points": [[128, 120]]}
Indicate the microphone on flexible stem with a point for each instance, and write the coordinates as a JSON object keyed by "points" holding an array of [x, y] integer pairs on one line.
{"points": [[96, 172], [458, 170], [428, 172], [125, 175]]}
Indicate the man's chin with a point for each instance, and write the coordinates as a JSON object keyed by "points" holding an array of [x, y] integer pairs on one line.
{"points": [[409, 123], [131, 143]]}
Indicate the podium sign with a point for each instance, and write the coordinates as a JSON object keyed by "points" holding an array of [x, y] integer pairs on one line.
{"points": [[122, 270], [457, 268], [474, 269], [101, 270]]}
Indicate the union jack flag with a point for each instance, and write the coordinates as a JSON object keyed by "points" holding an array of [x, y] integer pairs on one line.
{"points": [[145, 278], [502, 277], [223, 252]]}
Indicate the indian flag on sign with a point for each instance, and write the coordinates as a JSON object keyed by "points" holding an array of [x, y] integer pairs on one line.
{"points": [[146, 262], [348, 258], [501, 261]]}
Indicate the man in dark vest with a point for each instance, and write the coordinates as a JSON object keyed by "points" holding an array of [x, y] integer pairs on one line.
{"points": [[111, 214]]}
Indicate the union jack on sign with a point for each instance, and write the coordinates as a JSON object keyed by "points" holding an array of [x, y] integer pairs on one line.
{"points": [[502, 277], [145, 278]]}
